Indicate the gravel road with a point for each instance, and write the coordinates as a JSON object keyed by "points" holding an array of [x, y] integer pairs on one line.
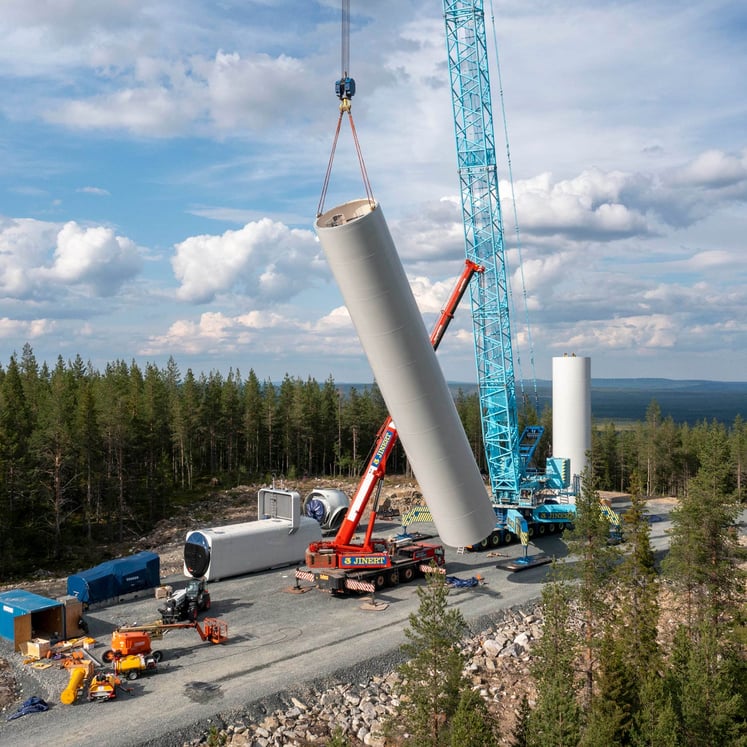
{"points": [[280, 642]]}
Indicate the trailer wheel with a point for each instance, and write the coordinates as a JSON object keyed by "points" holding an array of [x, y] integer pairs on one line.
{"points": [[508, 537], [540, 529], [408, 574], [551, 528], [157, 656], [484, 544], [393, 578], [132, 675], [380, 581], [108, 656], [495, 539]]}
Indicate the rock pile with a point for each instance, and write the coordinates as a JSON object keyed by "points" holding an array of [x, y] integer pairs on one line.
{"points": [[498, 662]]}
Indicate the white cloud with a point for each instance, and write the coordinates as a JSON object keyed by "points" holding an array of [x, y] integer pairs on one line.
{"points": [[590, 205], [39, 259], [98, 191], [24, 246], [163, 98], [156, 112], [656, 331], [713, 169], [30, 330], [264, 260], [94, 257], [214, 331], [338, 318], [630, 173]]}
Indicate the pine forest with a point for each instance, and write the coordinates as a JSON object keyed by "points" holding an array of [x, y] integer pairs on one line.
{"points": [[89, 458]]}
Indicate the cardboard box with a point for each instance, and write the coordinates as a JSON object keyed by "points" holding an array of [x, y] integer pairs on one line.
{"points": [[163, 592], [38, 647]]}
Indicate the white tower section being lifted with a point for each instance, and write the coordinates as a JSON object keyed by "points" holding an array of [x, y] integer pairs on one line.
{"points": [[368, 271], [571, 411]]}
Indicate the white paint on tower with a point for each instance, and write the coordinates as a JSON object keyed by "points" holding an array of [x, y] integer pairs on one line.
{"points": [[571, 410]]}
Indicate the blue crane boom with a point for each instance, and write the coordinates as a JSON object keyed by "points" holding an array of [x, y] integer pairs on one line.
{"points": [[523, 498], [483, 234]]}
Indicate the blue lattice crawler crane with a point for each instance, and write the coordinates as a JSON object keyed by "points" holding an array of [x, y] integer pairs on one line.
{"points": [[527, 501]]}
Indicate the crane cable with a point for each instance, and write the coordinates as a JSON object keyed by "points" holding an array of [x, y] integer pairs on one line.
{"points": [[345, 88], [364, 173], [516, 223]]}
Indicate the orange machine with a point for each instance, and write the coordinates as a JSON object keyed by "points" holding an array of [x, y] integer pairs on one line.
{"points": [[128, 642]]}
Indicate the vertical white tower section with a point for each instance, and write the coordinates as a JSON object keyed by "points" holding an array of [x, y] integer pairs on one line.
{"points": [[571, 410], [368, 271]]}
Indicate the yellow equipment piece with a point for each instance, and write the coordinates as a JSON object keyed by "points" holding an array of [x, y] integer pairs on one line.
{"points": [[70, 693]]}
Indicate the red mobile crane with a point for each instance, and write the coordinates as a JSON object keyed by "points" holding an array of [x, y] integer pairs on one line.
{"points": [[341, 565]]}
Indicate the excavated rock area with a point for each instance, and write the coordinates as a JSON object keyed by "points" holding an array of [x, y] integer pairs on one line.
{"points": [[498, 662]]}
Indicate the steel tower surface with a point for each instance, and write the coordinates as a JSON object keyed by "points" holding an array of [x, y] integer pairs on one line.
{"points": [[483, 233]]}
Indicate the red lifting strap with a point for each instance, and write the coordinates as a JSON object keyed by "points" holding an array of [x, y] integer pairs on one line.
{"points": [[364, 174]]}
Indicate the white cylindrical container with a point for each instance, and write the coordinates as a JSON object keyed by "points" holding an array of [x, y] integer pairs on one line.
{"points": [[367, 268], [571, 410], [235, 549]]}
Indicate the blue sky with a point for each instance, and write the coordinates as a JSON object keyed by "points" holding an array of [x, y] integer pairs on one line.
{"points": [[161, 164]]}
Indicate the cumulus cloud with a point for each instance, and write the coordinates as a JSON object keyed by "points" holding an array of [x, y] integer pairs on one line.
{"points": [[152, 111], [338, 318], [630, 206], [94, 257], [713, 169], [591, 205], [265, 260], [219, 331], [29, 330], [166, 98], [40, 259], [433, 232], [628, 333]]}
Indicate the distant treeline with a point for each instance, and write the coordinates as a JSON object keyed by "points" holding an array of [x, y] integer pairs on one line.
{"points": [[89, 458], [626, 400]]}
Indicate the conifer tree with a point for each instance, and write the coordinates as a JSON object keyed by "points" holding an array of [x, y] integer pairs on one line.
{"points": [[738, 445], [472, 725], [631, 649], [655, 722], [15, 469], [556, 718], [594, 561], [609, 719], [703, 549], [705, 681], [432, 677], [603, 724]]}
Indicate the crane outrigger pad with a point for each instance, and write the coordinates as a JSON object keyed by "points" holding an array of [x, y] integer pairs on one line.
{"points": [[524, 563]]}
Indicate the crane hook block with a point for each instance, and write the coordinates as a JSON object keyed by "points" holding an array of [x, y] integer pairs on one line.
{"points": [[345, 88]]}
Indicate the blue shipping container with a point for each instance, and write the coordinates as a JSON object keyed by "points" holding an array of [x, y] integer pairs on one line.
{"points": [[25, 615]]}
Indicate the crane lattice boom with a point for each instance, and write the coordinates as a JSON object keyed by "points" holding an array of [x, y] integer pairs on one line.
{"points": [[483, 233]]}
